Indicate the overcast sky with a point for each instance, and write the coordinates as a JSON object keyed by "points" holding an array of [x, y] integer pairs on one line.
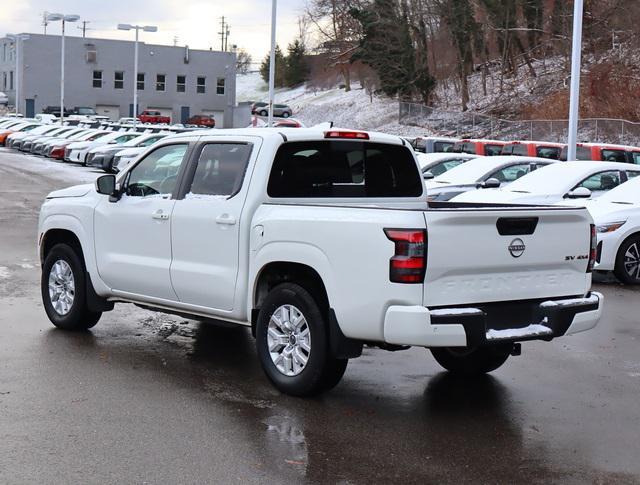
{"points": [[194, 22]]}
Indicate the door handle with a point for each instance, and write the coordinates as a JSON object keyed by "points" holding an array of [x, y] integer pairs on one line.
{"points": [[160, 215], [226, 219]]}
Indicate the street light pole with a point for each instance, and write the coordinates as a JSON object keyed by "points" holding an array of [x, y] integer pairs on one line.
{"points": [[137, 28], [62, 77], [17, 39], [53, 17], [574, 99], [272, 61], [135, 79]]}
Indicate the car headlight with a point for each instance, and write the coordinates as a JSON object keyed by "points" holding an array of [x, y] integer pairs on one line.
{"points": [[609, 227]]}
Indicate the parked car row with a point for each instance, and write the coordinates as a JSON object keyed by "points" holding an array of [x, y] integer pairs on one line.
{"points": [[542, 149], [109, 146], [609, 190]]}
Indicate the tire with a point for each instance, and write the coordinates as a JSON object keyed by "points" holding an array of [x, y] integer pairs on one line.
{"points": [[71, 311], [286, 366], [285, 114], [264, 113], [627, 267], [472, 362]]}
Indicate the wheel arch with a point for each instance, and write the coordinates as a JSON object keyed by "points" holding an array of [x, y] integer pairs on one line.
{"points": [[277, 272]]}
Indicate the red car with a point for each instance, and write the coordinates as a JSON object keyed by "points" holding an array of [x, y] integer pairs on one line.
{"points": [[154, 117], [541, 149], [202, 120], [603, 152], [479, 147]]}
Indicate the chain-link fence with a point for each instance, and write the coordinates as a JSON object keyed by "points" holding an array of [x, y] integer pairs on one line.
{"points": [[476, 125]]}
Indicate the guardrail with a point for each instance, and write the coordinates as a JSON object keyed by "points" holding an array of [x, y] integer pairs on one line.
{"points": [[478, 125]]}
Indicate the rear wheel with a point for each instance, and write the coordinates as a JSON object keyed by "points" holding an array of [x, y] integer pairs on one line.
{"points": [[63, 287], [285, 114], [293, 345], [627, 268], [472, 361], [264, 113]]}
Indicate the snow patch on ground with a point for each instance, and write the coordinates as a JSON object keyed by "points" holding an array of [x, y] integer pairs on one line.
{"points": [[354, 109], [73, 174], [4, 272]]}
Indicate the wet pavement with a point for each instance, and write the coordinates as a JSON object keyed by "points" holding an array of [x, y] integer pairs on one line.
{"points": [[150, 398]]}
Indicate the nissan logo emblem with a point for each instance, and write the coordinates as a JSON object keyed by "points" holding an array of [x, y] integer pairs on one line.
{"points": [[516, 248]]}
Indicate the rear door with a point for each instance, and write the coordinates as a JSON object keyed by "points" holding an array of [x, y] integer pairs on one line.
{"points": [[478, 256], [206, 221]]}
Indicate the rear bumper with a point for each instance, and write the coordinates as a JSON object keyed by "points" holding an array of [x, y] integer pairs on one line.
{"points": [[491, 323]]}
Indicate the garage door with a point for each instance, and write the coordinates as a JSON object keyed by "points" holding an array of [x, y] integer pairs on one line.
{"points": [[163, 111], [217, 115], [113, 112]]}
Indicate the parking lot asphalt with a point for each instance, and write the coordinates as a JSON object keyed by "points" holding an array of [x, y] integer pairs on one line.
{"points": [[149, 398]]}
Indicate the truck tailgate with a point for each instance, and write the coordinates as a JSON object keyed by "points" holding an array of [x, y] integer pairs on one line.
{"points": [[487, 255]]}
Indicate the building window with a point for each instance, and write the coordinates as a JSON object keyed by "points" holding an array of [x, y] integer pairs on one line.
{"points": [[4, 52], [201, 85], [118, 80], [161, 82], [220, 85], [10, 80], [97, 79], [4, 81], [141, 81], [181, 84]]}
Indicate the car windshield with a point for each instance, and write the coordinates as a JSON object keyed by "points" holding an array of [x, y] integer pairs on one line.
{"points": [[627, 193], [552, 179], [470, 172], [444, 166]]}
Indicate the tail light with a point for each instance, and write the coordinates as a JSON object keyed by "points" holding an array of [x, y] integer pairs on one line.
{"points": [[593, 249], [409, 263]]}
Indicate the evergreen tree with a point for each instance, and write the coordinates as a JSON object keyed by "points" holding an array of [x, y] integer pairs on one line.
{"points": [[297, 69], [281, 68], [387, 46]]}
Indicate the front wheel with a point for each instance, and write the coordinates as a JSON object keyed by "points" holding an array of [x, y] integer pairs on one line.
{"points": [[472, 361], [627, 268], [63, 287], [264, 113], [285, 114], [293, 345]]}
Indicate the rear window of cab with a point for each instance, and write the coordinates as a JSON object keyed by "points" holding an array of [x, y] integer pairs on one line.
{"points": [[344, 169]]}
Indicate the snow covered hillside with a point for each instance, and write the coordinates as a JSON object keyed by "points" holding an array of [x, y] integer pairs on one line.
{"points": [[354, 109]]}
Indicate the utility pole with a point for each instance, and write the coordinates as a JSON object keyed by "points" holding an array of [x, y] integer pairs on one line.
{"points": [[226, 38], [84, 28], [175, 41], [222, 33], [45, 21], [272, 61]]}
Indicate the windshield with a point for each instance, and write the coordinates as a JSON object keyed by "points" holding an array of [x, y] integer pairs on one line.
{"points": [[444, 166], [552, 179], [628, 193], [470, 172]]}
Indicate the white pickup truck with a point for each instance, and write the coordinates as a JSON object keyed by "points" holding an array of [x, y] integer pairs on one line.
{"points": [[320, 241]]}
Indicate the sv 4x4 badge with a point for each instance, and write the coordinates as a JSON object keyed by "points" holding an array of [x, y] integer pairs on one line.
{"points": [[576, 258]]}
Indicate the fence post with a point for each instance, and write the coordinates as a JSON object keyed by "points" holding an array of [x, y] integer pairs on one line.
{"points": [[551, 130], [531, 130], [622, 133], [597, 138]]}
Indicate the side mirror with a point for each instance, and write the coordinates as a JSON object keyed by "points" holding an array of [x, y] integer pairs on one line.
{"points": [[427, 175], [106, 185], [579, 193], [492, 183]]}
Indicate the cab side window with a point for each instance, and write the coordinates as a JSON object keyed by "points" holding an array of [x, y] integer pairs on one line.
{"points": [[220, 170], [157, 173]]}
